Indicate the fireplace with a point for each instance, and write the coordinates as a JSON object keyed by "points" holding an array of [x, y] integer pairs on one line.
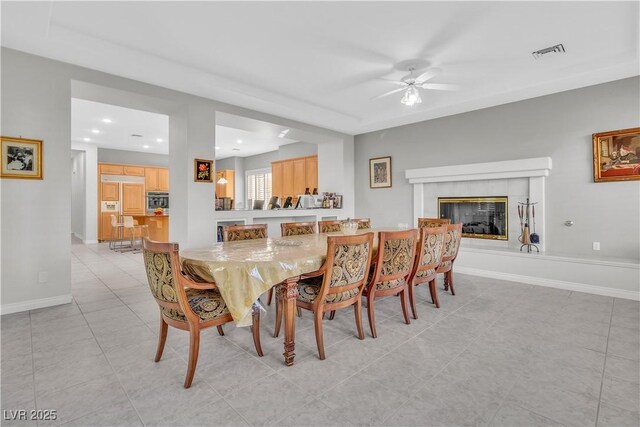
{"points": [[481, 217]]}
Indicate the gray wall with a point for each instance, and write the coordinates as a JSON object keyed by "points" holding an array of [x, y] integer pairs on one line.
{"points": [[559, 126], [107, 155]]}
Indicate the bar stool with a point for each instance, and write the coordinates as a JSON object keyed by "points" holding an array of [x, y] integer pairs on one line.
{"points": [[136, 230], [116, 233]]}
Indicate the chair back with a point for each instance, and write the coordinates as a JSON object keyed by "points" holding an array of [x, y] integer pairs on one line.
{"points": [[452, 242], [114, 221], [233, 233], [433, 222], [429, 253], [395, 258], [347, 266], [329, 226], [162, 264], [128, 221], [363, 223], [297, 228]]}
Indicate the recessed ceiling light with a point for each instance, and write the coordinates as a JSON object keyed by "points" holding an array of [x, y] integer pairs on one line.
{"points": [[217, 148], [145, 146], [159, 140], [96, 131], [284, 133], [106, 120], [86, 139], [239, 141]]}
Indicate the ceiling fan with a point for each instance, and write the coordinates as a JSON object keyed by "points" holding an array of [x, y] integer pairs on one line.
{"points": [[410, 86]]}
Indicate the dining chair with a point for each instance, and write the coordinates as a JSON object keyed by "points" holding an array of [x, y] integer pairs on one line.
{"points": [[393, 265], [363, 223], [430, 249], [337, 284], [231, 233], [433, 222], [185, 304], [297, 228], [451, 247], [329, 226]]}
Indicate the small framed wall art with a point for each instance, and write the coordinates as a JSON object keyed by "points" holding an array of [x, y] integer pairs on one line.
{"points": [[380, 172], [616, 155], [21, 158], [203, 170]]}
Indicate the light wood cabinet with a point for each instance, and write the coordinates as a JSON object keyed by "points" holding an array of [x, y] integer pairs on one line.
{"points": [[292, 177], [106, 169], [110, 191], [133, 199], [163, 179], [225, 190], [105, 226], [133, 170]]}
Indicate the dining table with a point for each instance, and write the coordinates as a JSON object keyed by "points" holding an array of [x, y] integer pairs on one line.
{"points": [[244, 270]]}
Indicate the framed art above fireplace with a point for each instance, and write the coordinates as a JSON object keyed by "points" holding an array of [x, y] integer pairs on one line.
{"points": [[481, 217]]}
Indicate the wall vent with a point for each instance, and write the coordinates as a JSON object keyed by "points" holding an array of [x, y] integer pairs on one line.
{"points": [[559, 48]]}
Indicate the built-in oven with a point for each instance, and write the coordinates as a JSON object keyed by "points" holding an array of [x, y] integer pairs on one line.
{"points": [[157, 199]]}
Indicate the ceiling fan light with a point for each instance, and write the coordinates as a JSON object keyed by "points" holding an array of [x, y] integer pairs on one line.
{"points": [[411, 97]]}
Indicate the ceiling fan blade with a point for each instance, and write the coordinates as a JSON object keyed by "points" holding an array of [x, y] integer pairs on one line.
{"points": [[427, 75], [391, 92], [395, 82], [439, 86]]}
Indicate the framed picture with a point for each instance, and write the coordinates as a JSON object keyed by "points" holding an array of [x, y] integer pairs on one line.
{"points": [[21, 158], [203, 170], [380, 172], [616, 155]]}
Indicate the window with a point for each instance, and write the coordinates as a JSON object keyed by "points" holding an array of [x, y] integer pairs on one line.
{"points": [[258, 186]]}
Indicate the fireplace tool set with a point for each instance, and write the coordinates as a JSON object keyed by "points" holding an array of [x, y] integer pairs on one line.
{"points": [[527, 213]]}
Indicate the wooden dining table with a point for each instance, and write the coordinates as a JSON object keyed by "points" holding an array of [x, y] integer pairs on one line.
{"points": [[244, 270]]}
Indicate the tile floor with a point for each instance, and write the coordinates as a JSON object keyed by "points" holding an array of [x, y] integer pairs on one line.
{"points": [[498, 353]]}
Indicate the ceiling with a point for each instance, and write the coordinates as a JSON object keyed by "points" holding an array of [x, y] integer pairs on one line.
{"points": [[88, 126], [232, 142], [322, 62]]}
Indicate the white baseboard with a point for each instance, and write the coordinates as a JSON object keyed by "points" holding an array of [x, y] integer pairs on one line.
{"points": [[90, 242], [552, 283], [34, 304]]}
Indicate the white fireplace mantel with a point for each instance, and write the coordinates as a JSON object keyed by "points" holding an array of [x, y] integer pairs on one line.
{"points": [[535, 169]]}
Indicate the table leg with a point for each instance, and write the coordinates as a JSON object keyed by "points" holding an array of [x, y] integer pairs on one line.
{"points": [[288, 296]]}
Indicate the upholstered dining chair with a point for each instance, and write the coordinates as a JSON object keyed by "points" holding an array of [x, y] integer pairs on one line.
{"points": [[185, 304], [433, 222], [337, 284], [297, 228], [231, 233], [430, 249], [451, 247], [393, 266], [363, 223], [329, 226]]}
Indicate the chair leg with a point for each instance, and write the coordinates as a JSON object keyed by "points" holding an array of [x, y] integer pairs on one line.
{"points": [[162, 339], [412, 301], [332, 315], [371, 315], [405, 311], [194, 348], [434, 293], [317, 320], [270, 296], [255, 329], [299, 311], [276, 329], [220, 330], [358, 312], [450, 274], [446, 281]]}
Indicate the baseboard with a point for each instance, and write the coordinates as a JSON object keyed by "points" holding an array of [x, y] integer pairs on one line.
{"points": [[34, 304], [552, 283], [78, 236], [90, 242]]}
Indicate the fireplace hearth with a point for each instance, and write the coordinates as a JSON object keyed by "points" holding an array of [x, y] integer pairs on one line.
{"points": [[481, 217]]}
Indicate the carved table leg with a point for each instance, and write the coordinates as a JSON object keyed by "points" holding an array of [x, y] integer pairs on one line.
{"points": [[288, 296]]}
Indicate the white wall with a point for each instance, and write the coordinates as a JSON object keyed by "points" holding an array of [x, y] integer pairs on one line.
{"points": [[78, 190], [90, 152], [36, 215], [559, 126]]}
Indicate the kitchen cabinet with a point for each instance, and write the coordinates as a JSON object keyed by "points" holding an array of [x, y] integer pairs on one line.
{"points": [[156, 179], [299, 176], [311, 170], [287, 179], [163, 179], [110, 191], [225, 190], [133, 198], [106, 169], [276, 180], [292, 177], [133, 170]]}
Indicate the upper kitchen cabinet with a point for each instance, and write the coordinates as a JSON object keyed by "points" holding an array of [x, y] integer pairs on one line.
{"points": [[133, 170], [163, 179], [107, 169], [292, 177], [156, 179], [225, 190], [110, 191], [133, 198]]}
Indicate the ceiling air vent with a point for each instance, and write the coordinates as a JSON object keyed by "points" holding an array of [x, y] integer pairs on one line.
{"points": [[559, 48], [135, 135]]}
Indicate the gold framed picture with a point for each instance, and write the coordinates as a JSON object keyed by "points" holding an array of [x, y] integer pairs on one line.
{"points": [[202, 170], [21, 158], [380, 172], [616, 155]]}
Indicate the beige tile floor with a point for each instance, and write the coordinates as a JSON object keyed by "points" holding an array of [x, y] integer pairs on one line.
{"points": [[498, 353]]}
